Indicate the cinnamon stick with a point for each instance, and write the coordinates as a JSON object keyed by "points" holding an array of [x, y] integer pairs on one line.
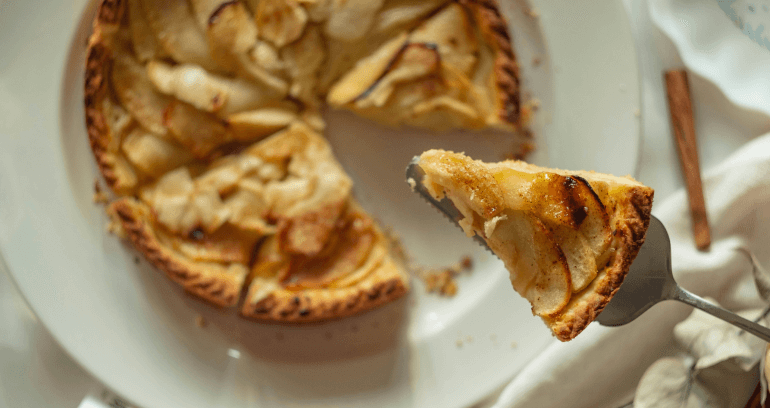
{"points": [[756, 398], [680, 106]]}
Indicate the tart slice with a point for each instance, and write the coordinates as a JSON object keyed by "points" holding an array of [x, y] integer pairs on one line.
{"points": [[567, 237]]}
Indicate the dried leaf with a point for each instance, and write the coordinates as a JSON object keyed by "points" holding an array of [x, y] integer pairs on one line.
{"points": [[761, 275], [712, 341], [671, 383]]}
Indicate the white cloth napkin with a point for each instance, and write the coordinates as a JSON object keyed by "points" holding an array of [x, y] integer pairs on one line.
{"points": [[602, 366]]}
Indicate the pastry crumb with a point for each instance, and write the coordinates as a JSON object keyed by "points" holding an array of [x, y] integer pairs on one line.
{"points": [[114, 226], [466, 262], [459, 343], [514, 345], [411, 183], [536, 61], [469, 339], [637, 113], [437, 280], [533, 104], [442, 280], [201, 322], [99, 196]]}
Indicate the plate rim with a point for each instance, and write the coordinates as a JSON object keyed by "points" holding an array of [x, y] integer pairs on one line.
{"points": [[67, 346]]}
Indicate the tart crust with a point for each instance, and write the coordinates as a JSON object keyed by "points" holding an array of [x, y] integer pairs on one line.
{"points": [[326, 304], [495, 30], [473, 185], [98, 61], [215, 283]]}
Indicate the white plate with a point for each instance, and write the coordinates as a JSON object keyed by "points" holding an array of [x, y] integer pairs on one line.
{"points": [[724, 42], [135, 331]]}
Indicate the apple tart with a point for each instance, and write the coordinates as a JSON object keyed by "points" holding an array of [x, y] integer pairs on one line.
{"points": [[567, 237], [203, 117]]}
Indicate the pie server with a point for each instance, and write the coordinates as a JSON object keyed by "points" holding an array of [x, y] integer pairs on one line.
{"points": [[649, 279]]}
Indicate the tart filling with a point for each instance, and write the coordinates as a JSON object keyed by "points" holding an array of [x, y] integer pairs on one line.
{"points": [[567, 238]]}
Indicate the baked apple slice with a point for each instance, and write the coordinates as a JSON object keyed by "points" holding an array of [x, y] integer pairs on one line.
{"points": [[207, 91], [178, 33], [567, 247], [232, 37], [571, 209], [151, 154], [143, 39], [138, 95], [537, 265]]}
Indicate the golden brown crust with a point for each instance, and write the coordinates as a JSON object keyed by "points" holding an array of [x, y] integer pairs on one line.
{"points": [[630, 230], [98, 61], [495, 30], [110, 12], [277, 294], [284, 306], [211, 282]]}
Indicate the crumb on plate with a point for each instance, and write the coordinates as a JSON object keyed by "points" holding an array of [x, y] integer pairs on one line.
{"points": [[442, 280], [99, 196], [533, 104], [114, 226]]}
